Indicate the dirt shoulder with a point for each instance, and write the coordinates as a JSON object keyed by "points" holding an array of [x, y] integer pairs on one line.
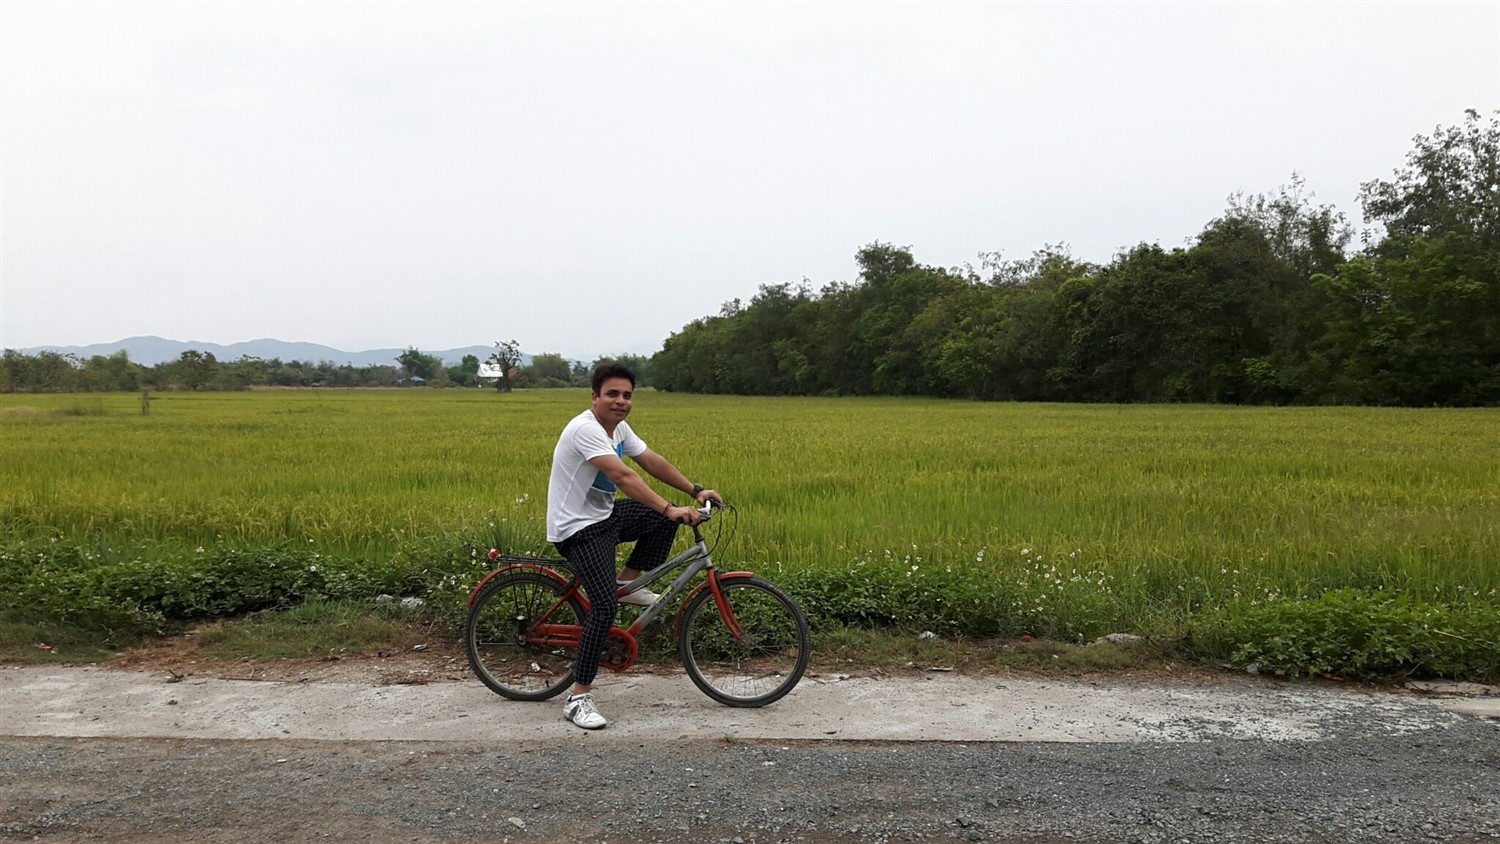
{"points": [[437, 661], [426, 654]]}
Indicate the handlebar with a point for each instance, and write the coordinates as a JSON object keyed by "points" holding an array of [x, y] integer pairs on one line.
{"points": [[709, 510], [706, 511]]}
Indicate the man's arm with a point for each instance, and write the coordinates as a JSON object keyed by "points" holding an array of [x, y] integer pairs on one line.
{"points": [[636, 487], [663, 470]]}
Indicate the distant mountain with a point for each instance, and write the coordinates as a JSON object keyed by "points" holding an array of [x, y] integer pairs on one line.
{"points": [[149, 351]]}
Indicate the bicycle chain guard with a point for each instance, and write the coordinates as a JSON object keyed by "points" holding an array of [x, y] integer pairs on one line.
{"points": [[620, 650]]}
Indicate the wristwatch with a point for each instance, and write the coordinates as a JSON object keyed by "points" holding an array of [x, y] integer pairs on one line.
{"points": [[697, 488]]}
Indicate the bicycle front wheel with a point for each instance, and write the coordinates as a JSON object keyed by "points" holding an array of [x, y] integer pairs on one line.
{"points": [[498, 636], [760, 665]]}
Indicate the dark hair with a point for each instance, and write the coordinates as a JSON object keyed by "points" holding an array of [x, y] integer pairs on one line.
{"points": [[610, 369]]}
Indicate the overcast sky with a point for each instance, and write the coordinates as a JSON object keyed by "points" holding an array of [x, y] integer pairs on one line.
{"points": [[587, 178]]}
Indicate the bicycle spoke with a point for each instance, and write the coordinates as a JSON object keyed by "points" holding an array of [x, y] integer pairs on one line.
{"points": [[500, 640], [757, 667]]}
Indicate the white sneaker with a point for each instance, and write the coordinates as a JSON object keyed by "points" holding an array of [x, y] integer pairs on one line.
{"points": [[640, 597], [580, 710]]}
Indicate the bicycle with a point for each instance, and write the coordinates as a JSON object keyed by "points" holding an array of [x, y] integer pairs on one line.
{"points": [[741, 639]]}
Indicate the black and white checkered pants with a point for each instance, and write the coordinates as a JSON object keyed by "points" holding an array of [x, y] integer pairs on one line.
{"points": [[591, 552]]}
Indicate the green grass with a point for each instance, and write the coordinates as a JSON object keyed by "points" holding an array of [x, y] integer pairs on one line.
{"points": [[993, 519], [315, 628], [30, 639], [1154, 491]]}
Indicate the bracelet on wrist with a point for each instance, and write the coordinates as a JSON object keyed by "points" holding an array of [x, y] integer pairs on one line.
{"points": [[697, 488]]}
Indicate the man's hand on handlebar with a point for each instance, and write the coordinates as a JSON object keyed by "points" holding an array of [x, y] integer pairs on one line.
{"points": [[683, 515], [709, 495]]}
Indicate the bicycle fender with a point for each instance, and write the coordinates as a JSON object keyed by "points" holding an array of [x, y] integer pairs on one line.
{"points": [[682, 605], [544, 569]]}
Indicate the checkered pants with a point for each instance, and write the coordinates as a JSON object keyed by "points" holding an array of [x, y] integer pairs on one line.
{"points": [[591, 552]]}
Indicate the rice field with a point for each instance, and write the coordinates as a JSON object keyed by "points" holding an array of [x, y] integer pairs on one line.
{"points": [[1277, 498]]}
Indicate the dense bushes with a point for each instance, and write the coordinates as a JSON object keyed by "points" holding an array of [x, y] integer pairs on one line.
{"points": [[1362, 635], [121, 595]]}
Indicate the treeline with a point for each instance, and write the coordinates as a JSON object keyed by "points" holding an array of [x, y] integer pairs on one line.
{"points": [[553, 370], [547, 369], [54, 372], [1266, 305]]}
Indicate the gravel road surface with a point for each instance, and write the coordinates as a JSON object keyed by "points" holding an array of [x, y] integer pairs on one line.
{"points": [[100, 755]]}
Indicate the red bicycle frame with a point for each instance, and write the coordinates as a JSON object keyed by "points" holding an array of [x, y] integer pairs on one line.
{"points": [[551, 634]]}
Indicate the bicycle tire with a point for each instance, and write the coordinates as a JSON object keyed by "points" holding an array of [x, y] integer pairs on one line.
{"points": [[763, 667], [495, 636]]}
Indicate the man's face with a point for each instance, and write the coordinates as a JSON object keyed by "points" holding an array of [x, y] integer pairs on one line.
{"points": [[612, 402]]}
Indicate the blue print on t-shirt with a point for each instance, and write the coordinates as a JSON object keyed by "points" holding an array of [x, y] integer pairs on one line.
{"points": [[602, 481]]}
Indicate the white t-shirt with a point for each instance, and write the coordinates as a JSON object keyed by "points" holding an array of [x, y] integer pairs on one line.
{"points": [[578, 494]]}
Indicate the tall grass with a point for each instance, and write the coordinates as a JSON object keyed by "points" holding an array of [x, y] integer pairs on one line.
{"points": [[1167, 506]]}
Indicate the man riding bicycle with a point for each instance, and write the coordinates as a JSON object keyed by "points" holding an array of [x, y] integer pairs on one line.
{"points": [[587, 522]]}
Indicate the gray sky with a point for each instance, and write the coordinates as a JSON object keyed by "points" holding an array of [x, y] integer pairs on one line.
{"points": [[588, 178]]}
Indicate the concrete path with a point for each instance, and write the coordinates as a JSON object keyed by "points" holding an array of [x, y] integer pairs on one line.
{"points": [[79, 701]]}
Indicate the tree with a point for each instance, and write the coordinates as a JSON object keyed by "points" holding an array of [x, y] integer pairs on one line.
{"points": [[418, 365], [1283, 242], [250, 370], [581, 374], [195, 369], [1415, 320], [466, 374], [678, 366], [764, 341], [14, 372], [1451, 185], [1123, 327], [639, 364], [998, 337], [960, 338], [839, 363], [551, 369], [506, 358], [112, 373]]}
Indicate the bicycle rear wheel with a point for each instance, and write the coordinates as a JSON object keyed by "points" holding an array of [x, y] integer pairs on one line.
{"points": [[763, 665], [496, 633]]}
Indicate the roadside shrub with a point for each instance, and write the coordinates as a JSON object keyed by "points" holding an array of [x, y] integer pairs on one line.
{"points": [[48, 582], [1027, 596], [1360, 635], [138, 589], [124, 593], [225, 582], [132, 591]]}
